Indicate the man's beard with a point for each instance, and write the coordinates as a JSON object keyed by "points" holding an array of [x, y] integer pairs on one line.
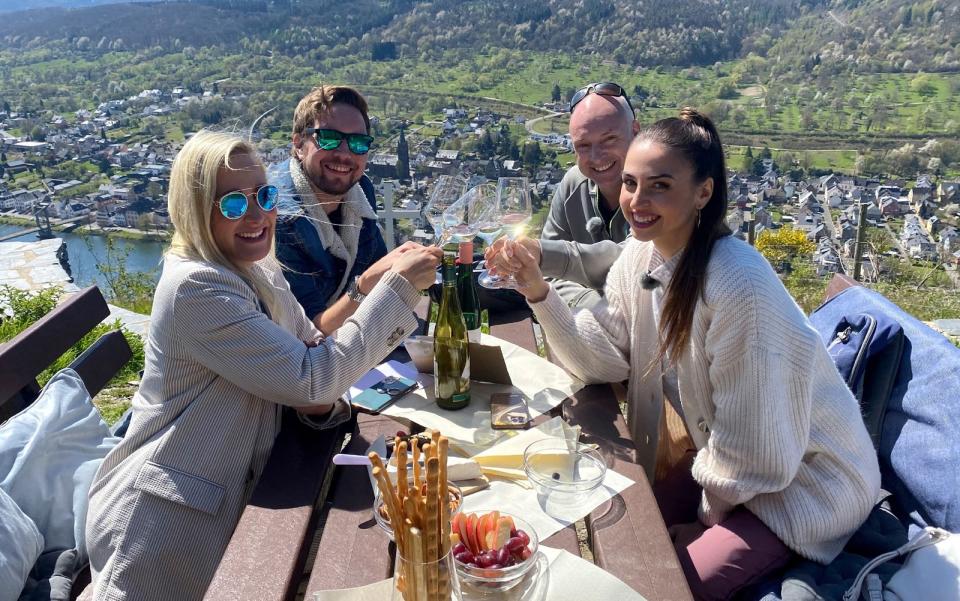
{"points": [[327, 185]]}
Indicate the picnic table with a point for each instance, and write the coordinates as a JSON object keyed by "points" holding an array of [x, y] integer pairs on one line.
{"points": [[310, 527]]}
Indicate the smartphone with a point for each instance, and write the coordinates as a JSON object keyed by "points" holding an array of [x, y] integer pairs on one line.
{"points": [[379, 396], [508, 411]]}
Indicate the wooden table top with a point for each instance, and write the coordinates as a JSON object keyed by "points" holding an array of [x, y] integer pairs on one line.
{"points": [[626, 535]]}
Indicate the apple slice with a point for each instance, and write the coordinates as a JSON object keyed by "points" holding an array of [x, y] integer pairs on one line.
{"points": [[490, 530], [471, 533], [456, 527], [504, 525]]}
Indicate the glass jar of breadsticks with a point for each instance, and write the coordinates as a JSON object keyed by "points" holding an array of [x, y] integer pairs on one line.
{"points": [[419, 511]]}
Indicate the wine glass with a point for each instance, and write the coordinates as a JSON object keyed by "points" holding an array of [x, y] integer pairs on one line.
{"points": [[463, 219], [446, 191], [513, 214]]}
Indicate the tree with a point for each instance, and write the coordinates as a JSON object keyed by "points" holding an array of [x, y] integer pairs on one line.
{"points": [[727, 90], [486, 148], [747, 165], [555, 93], [922, 84], [144, 221], [781, 246], [532, 156]]}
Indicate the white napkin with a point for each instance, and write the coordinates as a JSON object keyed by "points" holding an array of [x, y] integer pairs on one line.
{"points": [[573, 578], [544, 385], [518, 498], [458, 468], [568, 578]]}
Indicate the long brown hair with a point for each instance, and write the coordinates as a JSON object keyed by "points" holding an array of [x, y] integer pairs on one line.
{"points": [[695, 137]]}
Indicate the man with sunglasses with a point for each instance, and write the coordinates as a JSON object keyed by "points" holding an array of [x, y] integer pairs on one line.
{"points": [[581, 236], [328, 239]]}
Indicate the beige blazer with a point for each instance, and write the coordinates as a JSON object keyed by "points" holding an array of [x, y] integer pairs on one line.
{"points": [[166, 500]]}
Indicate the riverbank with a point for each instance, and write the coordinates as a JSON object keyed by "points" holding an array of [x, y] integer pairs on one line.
{"points": [[92, 228]]}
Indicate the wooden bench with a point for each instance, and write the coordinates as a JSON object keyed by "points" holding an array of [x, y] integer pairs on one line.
{"points": [[33, 350]]}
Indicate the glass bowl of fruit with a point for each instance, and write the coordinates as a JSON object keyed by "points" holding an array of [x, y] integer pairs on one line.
{"points": [[380, 515], [493, 551]]}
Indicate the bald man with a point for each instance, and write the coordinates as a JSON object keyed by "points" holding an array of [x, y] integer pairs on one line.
{"points": [[580, 239]]}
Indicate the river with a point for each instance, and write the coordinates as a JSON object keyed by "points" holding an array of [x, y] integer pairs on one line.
{"points": [[88, 250]]}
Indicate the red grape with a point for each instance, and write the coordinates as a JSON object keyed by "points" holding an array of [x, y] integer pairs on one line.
{"points": [[515, 543], [524, 537]]}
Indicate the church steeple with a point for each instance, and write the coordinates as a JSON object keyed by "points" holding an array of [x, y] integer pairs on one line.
{"points": [[403, 158]]}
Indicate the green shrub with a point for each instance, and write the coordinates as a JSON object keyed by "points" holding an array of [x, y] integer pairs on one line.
{"points": [[23, 308]]}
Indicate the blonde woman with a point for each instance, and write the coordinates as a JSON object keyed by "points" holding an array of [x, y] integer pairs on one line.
{"points": [[228, 346], [696, 318]]}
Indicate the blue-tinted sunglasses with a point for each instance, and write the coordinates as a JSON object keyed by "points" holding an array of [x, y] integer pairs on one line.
{"points": [[234, 205], [330, 139]]}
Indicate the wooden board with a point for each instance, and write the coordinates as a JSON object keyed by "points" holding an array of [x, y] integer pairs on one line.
{"points": [[266, 555], [627, 534]]}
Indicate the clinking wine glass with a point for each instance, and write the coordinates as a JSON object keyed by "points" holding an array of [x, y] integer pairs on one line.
{"points": [[463, 219], [446, 191], [513, 214]]}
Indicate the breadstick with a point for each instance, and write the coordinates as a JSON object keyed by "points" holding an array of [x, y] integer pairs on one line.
{"points": [[433, 535], [390, 501], [401, 469], [418, 568], [410, 511], [416, 466], [444, 497]]}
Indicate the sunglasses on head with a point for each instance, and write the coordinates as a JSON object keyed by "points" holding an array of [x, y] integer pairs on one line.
{"points": [[600, 89], [329, 139], [234, 205]]}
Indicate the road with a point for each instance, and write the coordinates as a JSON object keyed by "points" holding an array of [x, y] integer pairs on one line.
{"points": [[529, 123]]}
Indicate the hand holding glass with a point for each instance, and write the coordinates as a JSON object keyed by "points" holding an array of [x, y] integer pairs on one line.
{"points": [[513, 214]]}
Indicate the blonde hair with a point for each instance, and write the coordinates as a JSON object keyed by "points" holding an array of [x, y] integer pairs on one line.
{"points": [[193, 185]]}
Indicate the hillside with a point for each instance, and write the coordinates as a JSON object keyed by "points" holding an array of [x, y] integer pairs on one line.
{"points": [[674, 32], [798, 36], [871, 36]]}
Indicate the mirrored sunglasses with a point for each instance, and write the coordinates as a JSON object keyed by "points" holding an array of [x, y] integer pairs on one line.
{"points": [[233, 205], [600, 89], [329, 139]]}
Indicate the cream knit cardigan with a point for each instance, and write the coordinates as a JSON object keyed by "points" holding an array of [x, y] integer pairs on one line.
{"points": [[776, 428]]}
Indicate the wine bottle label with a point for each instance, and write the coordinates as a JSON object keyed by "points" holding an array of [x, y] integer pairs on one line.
{"points": [[474, 335]]}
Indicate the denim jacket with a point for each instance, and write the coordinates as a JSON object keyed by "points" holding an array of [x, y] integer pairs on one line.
{"points": [[313, 273]]}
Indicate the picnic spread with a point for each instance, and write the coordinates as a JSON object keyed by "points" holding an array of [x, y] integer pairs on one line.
{"points": [[511, 492], [511, 529]]}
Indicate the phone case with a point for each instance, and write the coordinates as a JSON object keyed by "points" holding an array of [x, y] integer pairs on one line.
{"points": [[383, 393], [508, 411]]}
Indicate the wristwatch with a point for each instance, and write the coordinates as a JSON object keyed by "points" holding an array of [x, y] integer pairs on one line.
{"points": [[353, 290]]}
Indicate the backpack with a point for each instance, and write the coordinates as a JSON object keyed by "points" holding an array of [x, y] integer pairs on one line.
{"points": [[867, 349], [919, 439]]}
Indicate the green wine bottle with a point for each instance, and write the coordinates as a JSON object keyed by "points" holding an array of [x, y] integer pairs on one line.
{"points": [[467, 291], [451, 354]]}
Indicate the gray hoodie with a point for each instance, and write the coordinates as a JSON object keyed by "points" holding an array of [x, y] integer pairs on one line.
{"points": [[578, 247]]}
